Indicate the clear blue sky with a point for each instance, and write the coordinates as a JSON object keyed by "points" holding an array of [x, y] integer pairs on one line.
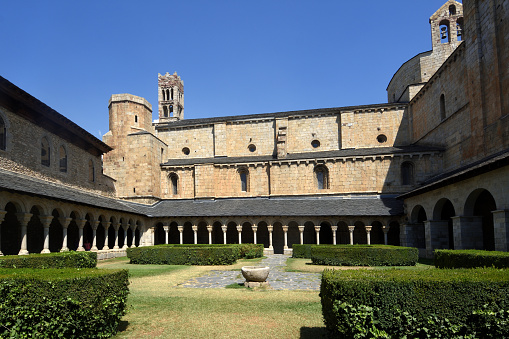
{"points": [[235, 57]]}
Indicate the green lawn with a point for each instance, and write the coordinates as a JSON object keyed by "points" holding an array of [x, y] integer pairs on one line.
{"points": [[159, 308]]}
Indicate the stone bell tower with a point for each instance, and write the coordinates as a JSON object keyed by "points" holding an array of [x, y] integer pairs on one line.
{"points": [[171, 97], [447, 26]]}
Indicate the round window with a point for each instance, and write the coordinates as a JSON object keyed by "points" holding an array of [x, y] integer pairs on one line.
{"points": [[251, 148], [186, 151], [381, 138], [315, 143]]}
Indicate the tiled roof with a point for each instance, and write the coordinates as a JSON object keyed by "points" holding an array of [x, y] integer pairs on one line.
{"points": [[284, 207]]}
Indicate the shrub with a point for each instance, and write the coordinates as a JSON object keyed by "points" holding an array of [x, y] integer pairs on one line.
{"points": [[61, 303], [182, 255], [423, 304], [364, 255], [301, 251], [471, 259], [51, 260]]}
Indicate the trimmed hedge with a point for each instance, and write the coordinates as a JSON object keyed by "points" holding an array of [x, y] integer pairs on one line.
{"points": [[417, 304], [364, 255], [301, 251], [189, 254], [51, 260], [61, 303], [471, 259]]}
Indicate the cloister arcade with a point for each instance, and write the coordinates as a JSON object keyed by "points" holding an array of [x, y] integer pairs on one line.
{"points": [[474, 220]]}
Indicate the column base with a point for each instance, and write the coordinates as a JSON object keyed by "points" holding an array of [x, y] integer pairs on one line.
{"points": [[65, 249], [45, 251], [23, 252], [105, 247], [116, 247], [80, 249], [94, 248]]}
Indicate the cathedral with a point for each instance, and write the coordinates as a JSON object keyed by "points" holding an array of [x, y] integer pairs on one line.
{"points": [[428, 169]]}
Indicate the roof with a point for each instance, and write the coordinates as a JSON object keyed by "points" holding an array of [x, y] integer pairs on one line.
{"points": [[343, 153], [261, 116], [20, 183], [278, 207], [476, 168], [34, 110]]}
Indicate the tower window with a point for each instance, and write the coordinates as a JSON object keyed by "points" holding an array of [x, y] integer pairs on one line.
{"points": [[244, 179], [407, 173], [445, 35], [63, 160], [165, 111], [315, 143], [135, 118], [322, 177], [3, 135], [452, 10], [45, 152], [186, 151], [442, 107], [172, 94], [381, 138], [252, 148], [459, 29]]}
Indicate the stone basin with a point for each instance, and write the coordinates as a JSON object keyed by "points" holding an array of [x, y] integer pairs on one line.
{"points": [[255, 273]]}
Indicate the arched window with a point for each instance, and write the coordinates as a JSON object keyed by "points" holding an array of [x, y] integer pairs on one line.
{"points": [[244, 179], [91, 171], [172, 94], [45, 152], [407, 173], [459, 29], [452, 10], [445, 32], [3, 135], [63, 159], [322, 177], [442, 107], [174, 182]]}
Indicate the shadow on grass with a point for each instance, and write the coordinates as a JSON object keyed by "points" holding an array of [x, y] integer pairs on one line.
{"points": [[122, 326], [313, 332]]}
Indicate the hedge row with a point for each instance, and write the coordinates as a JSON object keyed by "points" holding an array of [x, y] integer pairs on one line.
{"points": [[51, 260], [61, 303], [301, 251], [423, 304], [471, 259], [189, 254], [357, 255]]}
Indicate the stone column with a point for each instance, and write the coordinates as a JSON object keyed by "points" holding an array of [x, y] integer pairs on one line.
{"points": [[181, 231], [195, 231], [437, 236], [255, 229], [334, 230], [23, 219], [317, 230], [106, 225], [46, 221], [2, 216], [239, 230], [81, 224], [116, 226], [133, 240], [386, 231], [166, 230], [285, 230], [501, 228], [209, 229], [351, 229], [142, 237], [224, 228], [95, 224], [125, 227], [270, 228], [368, 233], [301, 233]]}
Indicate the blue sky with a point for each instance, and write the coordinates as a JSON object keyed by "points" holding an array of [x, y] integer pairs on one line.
{"points": [[235, 57]]}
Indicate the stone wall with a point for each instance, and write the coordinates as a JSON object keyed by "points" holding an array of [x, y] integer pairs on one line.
{"points": [[23, 155]]}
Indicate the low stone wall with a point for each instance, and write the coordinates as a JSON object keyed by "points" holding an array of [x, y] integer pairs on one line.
{"points": [[109, 254]]}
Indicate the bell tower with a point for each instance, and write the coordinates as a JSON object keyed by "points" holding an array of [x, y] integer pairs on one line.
{"points": [[171, 97], [447, 26]]}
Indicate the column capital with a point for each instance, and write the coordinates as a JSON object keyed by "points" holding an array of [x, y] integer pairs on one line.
{"points": [[65, 221], [301, 228], [209, 228], [95, 224], [125, 226], [180, 228], [24, 218], [334, 228], [351, 228], [368, 228], [270, 228], [285, 228], [317, 228], [386, 228], [224, 228], [106, 224], [254, 227], [166, 228], [116, 225], [45, 220], [194, 228], [239, 228], [81, 223]]}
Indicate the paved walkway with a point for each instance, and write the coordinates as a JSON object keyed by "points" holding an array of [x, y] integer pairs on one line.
{"points": [[278, 279]]}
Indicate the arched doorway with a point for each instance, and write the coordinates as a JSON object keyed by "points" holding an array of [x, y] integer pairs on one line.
{"points": [[480, 203], [247, 233], [377, 233], [359, 233], [309, 233], [393, 234], [444, 211], [11, 231], [418, 217], [343, 234], [325, 233]]}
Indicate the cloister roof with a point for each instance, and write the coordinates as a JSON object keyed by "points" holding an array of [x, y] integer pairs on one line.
{"points": [[279, 206]]}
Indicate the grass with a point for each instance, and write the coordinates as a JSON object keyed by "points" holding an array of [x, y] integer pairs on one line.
{"points": [[159, 308]]}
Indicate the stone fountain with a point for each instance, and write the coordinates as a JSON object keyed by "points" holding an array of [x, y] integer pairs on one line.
{"points": [[255, 276]]}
